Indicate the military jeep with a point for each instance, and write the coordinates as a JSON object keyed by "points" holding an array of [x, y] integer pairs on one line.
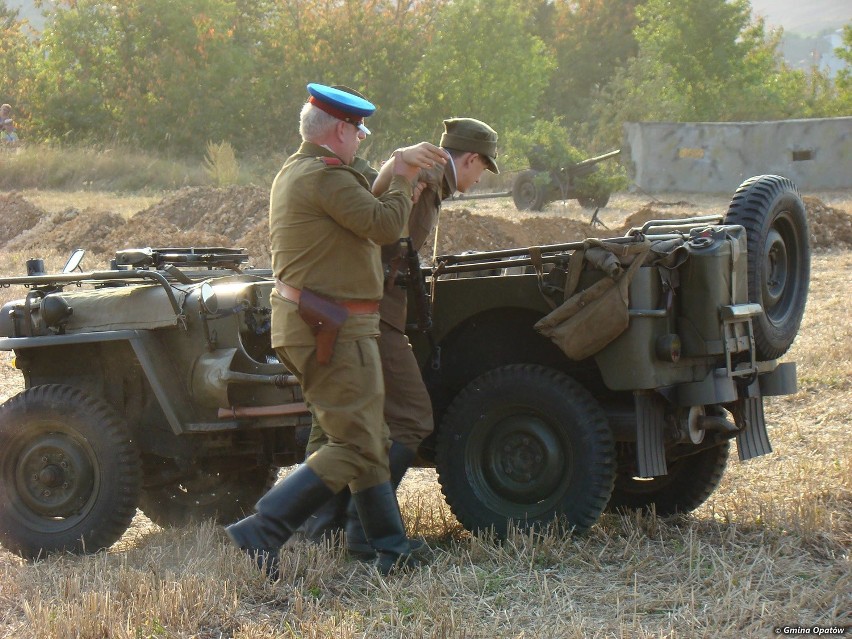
{"points": [[152, 383]]}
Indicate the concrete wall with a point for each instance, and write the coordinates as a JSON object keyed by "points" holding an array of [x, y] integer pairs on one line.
{"points": [[716, 157]]}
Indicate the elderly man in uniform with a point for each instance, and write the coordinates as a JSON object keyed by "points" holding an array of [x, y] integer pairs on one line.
{"points": [[325, 229], [471, 147]]}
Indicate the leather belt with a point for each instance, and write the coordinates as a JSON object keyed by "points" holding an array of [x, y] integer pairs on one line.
{"points": [[355, 307]]}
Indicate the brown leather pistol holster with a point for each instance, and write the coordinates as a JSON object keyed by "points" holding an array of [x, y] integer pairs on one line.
{"points": [[325, 317]]}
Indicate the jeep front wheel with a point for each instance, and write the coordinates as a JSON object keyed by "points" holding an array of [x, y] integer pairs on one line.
{"points": [[779, 260], [526, 444], [69, 472], [689, 483], [224, 495]]}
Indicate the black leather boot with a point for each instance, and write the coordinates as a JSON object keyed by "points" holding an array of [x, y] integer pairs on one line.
{"points": [[328, 521], [379, 512], [399, 459], [279, 513]]}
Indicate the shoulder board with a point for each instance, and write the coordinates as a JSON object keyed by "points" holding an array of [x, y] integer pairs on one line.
{"points": [[329, 161]]}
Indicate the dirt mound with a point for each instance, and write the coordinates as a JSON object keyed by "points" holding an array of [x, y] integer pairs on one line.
{"points": [[646, 213], [828, 227], [68, 230], [231, 211], [16, 216], [237, 217], [140, 233]]}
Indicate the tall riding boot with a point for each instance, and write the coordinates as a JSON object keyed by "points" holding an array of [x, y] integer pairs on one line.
{"points": [[379, 512], [399, 459], [328, 521], [279, 513]]}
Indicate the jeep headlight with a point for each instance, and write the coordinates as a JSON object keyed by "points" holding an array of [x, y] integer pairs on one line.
{"points": [[209, 301]]}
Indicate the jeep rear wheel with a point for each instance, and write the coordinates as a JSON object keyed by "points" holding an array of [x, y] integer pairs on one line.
{"points": [[779, 260], [689, 483], [527, 444], [222, 495], [69, 472]]}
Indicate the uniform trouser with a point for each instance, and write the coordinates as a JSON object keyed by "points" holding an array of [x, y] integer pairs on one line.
{"points": [[346, 399], [407, 407]]}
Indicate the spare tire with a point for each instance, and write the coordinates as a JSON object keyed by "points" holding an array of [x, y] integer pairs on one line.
{"points": [[771, 210]]}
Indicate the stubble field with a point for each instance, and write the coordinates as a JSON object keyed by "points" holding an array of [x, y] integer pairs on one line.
{"points": [[770, 549]]}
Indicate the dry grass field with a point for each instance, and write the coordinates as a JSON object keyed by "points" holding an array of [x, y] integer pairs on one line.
{"points": [[769, 553]]}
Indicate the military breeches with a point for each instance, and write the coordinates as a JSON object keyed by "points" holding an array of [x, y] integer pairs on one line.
{"points": [[408, 408], [346, 398]]}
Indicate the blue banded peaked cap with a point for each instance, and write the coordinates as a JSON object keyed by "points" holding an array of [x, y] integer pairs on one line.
{"points": [[341, 104]]}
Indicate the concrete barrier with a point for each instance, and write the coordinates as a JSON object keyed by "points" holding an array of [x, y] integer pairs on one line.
{"points": [[715, 157]]}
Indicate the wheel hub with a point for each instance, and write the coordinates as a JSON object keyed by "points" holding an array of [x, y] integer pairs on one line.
{"points": [[55, 476], [524, 461], [776, 265]]}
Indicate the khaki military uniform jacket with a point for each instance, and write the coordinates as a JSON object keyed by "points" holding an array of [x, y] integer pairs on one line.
{"points": [[326, 229], [440, 184]]}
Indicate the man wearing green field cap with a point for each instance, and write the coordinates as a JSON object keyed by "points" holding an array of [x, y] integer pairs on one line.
{"points": [[471, 148]]}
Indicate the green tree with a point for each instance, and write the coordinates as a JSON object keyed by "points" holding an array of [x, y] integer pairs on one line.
{"points": [[16, 70], [590, 41], [483, 61], [369, 45], [843, 105], [154, 72], [699, 60]]}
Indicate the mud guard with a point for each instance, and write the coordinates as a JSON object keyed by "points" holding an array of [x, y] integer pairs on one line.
{"points": [[752, 440], [650, 450]]}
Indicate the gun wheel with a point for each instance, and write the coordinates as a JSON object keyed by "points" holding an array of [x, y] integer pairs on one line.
{"points": [[526, 194]]}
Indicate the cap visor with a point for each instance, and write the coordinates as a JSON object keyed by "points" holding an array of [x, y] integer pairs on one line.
{"points": [[364, 129], [492, 165]]}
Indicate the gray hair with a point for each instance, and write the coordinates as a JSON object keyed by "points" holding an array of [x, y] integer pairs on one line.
{"points": [[315, 123]]}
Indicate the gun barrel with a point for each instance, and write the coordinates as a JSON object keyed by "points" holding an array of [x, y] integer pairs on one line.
{"points": [[596, 159]]}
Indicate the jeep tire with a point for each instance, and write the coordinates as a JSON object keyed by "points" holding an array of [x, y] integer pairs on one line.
{"points": [[69, 472], [770, 209], [689, 483], [528, 444]]}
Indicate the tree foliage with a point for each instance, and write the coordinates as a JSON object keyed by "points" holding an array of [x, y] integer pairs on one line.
{"points": [[16, 54], [590, 40], [844, 77], [172, 76], [483, 61]]}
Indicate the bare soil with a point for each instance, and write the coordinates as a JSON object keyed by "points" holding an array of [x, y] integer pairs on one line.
{"points": [[237, 216]]}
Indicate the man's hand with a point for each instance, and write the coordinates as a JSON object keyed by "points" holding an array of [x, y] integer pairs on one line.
{"points": [[418, 189], [403, 168], [408, 162], [424, 155]]}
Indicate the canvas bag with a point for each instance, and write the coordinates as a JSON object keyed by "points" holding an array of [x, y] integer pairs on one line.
{"points": [[590, 319]]}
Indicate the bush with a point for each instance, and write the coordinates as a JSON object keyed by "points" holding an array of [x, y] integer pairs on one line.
{"points": [[547, 148]]}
